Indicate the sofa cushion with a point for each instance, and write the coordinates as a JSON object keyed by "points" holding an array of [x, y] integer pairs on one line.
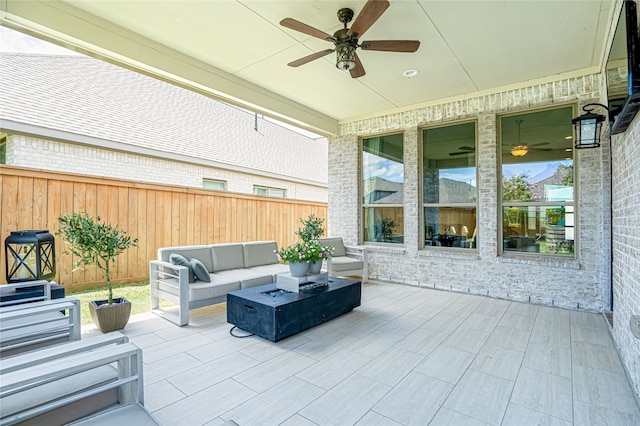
{"points": [[202, 253], [199, 270], [337, 243], [227, 256], [273, 270], [219, 286], [260, 253], [344, 263], [180, 260], [247, 277]]}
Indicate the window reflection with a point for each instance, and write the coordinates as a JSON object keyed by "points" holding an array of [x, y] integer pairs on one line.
{"points": [[383, 189]]}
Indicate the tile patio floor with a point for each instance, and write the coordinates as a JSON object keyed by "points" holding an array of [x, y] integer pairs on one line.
{"points": [[407, 356]]}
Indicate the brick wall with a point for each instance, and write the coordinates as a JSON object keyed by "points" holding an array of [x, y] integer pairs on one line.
{"points": [[580, 283], [43, 154], [626, 246]]}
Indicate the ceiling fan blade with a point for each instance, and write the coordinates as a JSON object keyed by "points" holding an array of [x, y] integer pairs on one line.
{"points": [[358, 70], [309, 58], [391, 45], [461, 153], [540, 149], [467, 148], [369, 14], [306, 29]]}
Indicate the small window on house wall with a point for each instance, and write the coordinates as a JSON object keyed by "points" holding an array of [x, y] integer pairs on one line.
{"points": [[449, 190], [218, 185], [269, 192], [383, 189], [538, 196], [3, 150]]}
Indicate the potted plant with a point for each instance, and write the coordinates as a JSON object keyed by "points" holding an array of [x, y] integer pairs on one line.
{"points": [[312, 228], [384, 229], [297, 257], [316, 253], [96, 243]]}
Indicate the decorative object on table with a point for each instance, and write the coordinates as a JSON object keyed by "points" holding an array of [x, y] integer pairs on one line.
{"points": [[312, 229], [445, 239], [296, 284], [296, 256], [96, 243], [307, 249], [316, 253], [30, 255]]}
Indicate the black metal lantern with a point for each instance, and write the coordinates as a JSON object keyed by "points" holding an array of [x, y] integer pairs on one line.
{"points": [[29, 256], [588, 126]]}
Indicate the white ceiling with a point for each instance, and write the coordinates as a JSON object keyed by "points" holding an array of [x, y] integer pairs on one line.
{"points": [[466, 47]]}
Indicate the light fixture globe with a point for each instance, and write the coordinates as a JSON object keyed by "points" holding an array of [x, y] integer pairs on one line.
{"points": [[346, 56], [519, 151]]}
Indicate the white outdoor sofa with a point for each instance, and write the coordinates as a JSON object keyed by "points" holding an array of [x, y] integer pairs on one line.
{"points": [[96, 381], [346, 260], [229, 266], [34, 324]]}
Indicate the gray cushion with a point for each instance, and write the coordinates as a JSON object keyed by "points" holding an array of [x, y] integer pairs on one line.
{"points": [[337, 243], [248, 277], [199, 270], [180, 260], [260, 253], [344, 263], [202, 253], [227, 256]]}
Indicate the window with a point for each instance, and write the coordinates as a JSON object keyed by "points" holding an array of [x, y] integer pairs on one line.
{"points": [[3, 150], [449, 192], [270, 192], [382, 188], [538, 183], [218, 185]]}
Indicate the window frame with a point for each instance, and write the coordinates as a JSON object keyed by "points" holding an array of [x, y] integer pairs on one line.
{"points": [[208, 180], [361, 189], [269, 190], [422, 220], [536, 204]]}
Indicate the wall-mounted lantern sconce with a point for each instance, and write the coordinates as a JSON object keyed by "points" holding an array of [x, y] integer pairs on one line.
{"points": [[587, 127]]}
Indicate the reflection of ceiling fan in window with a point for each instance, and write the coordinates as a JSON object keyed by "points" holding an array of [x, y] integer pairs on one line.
{"points": [[464, 150], [520, 150]]}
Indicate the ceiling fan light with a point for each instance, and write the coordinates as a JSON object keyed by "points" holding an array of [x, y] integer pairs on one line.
{"points": [[346, 56], [519, 151]]}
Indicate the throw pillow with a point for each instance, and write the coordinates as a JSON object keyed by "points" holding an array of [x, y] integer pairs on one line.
{"points": [[200, 270], [180, 260]]}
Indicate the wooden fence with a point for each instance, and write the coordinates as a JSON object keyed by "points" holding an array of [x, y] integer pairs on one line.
{"points": [[159, 215]]}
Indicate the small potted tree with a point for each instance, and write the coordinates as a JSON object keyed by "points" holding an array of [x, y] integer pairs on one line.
{"points": [[96, 243]]}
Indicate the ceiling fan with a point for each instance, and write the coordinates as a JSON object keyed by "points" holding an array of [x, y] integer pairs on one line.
{"points": [[464, 150], [346, 39], [521, 150]]}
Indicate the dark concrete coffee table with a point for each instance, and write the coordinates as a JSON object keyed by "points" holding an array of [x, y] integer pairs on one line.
{"points": [[275, 314]]}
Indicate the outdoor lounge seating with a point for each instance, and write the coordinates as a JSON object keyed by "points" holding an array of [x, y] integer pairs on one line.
{"points": [[34, 324], [229, 267], [346, 260], [75, 382]]}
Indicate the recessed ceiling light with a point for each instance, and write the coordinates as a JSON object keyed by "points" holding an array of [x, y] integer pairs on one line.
{"points": [[568, 150], [568, 137], [410, 73]]}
